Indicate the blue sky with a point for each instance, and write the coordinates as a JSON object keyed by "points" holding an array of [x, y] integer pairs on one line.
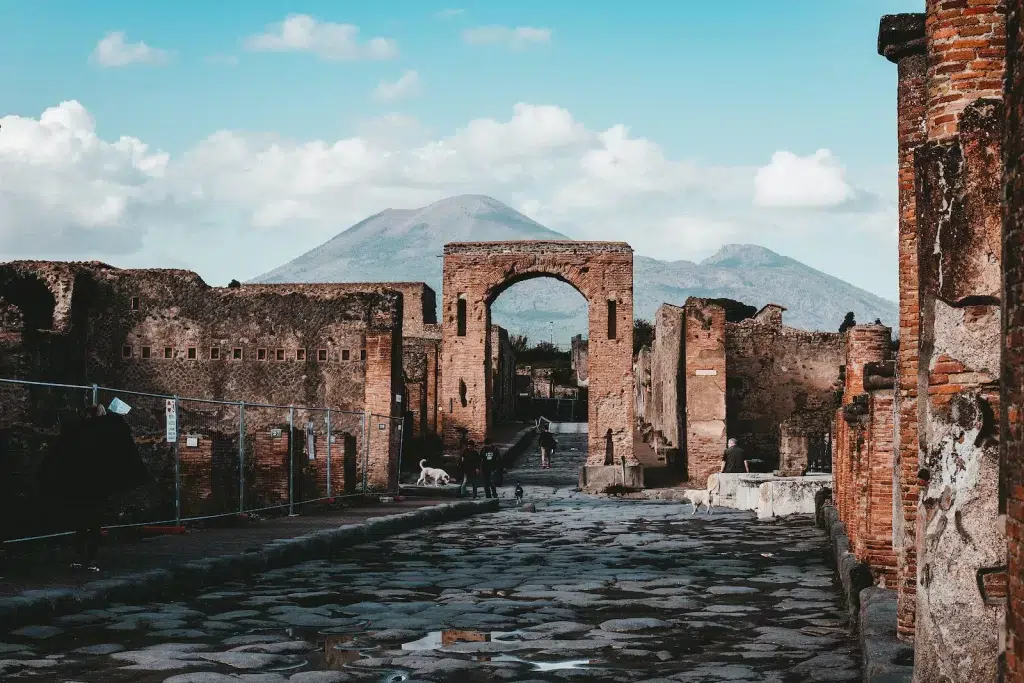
{"points": [[712, 84]]}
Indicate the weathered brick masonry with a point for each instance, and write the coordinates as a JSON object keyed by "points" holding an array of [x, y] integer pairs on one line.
{"points": [[704, 379], [901, 39], [958, 197], [476, 273], [1012, 405], [168, 332]]}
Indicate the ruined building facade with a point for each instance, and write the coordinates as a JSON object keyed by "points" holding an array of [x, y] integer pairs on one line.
{"points": [[714, 373]]}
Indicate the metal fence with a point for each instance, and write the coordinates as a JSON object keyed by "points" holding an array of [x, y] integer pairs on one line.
{"points": [[553, 409], [204, 458]]}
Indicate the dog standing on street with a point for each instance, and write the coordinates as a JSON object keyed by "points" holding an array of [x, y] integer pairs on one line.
{"points": [[704, 496], [438, 475], [519, 494]]}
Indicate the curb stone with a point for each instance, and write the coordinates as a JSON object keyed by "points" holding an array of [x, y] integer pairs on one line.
{"points": [[886, 659], [33, 606]]}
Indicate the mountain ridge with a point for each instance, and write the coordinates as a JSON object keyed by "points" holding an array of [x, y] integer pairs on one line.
{"points": [[397, 245]]}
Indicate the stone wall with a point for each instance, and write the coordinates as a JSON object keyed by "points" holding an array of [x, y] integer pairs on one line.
{"points": [[503, 376], [1012, 404], [704, 376], [168, 332], [666, 411], [476, 273], [779, 375], [957, 176]]}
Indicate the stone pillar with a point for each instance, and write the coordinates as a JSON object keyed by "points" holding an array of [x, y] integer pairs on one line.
{"points": [[961, 546], [792, 451], [704, 361], [901, 40], [1012, 405], [383, 382]]}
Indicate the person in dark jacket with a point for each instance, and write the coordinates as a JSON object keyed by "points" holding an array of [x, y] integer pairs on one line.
{"points": [[547, 448], [734, 460], [95, 458], [470, 468], [490, 465]]}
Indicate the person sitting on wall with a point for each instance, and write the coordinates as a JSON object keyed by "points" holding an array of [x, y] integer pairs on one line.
{"points": [[547, 448], [94, 459], [734, 460]]}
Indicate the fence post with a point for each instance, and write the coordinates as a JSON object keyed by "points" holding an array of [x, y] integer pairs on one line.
{"points": [[241, 457], [95, 394], [291, 461], [329, 452], [401, 446], [366, 447], [177, 463]]}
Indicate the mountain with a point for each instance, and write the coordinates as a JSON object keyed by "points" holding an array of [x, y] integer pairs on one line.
{"points": [[406, 245]]}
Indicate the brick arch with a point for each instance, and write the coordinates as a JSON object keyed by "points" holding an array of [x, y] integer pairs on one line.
{"points": [[477, 273]]}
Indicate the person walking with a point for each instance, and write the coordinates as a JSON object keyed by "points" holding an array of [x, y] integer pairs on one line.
{"points": [[490, 465], [470, 468], [734, 460], [95, 458], [547, 448]]}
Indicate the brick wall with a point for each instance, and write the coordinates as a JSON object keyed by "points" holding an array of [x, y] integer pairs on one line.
{"points": [[666, 411], [901, 39], [1012, 405], [958, 197], [579, 359], [704, 386], [503, 376], [478, 272]]}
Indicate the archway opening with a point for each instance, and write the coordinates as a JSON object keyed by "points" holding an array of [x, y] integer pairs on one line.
{"points": [[538, 361]]}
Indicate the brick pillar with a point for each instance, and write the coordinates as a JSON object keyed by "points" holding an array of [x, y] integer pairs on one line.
{"points": [[704, 360], [958, 200], [901, 39], [382, 385], [879, 553], [1012, 405]]}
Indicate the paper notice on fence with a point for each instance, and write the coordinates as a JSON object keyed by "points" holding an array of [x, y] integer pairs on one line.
{"points": [[172, 422], [118, 406]]}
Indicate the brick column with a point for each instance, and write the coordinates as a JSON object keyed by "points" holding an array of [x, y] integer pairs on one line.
{"points": [[383, 383], [704, 384], [901, 39], [1012, 412], [958, 200]]}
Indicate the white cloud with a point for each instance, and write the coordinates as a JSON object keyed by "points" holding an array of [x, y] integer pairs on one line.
{"points": [[253, 201], [816, 181], [449, 13], [337, 42], [113, 51], [515, 38], [408, 85]]}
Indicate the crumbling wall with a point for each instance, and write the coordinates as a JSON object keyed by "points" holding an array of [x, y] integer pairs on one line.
{"points": [[1012, 404], [503, 374], [579, 359], [901, 39], [778, 375], [704, 387], [668, 368], [957, 172]]}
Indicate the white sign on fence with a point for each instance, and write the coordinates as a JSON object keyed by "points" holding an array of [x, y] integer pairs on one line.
{"points": [[192, 441], [705, 372], [380, 426], [172, 422]]}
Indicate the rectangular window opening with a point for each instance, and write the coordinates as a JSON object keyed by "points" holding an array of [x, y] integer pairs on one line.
{"points": [[214, 353], [261, 354], [611, 319], [280, 354], [362, 354], [191, 353], [461, 317], [236, 354], [345, 354], [126, 352], [300, 354], [146, 352], [135, 303], [168, 352], [321, 355]]}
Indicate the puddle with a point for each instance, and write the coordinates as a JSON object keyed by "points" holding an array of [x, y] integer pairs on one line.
{"points": [[546, 666], [436, 640]]}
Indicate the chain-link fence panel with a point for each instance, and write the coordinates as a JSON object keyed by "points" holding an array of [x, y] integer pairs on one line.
{"points": [[347, 431], [270, 442], [31, 417], [209, 457], [155, 500]]}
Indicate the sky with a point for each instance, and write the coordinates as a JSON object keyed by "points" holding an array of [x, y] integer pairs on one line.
{"points": [[229, 138]]}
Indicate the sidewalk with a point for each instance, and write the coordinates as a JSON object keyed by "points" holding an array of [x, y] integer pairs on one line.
{"points": [[48, 567]]}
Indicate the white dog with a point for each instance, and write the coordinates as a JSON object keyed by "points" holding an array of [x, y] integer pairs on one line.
{"points": [[703, 497], [438, 475]]}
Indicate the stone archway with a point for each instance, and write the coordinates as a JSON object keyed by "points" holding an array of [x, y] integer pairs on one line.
{"points": [[476, 273]]}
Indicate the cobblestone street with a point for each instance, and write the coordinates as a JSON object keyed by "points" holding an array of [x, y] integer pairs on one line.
{"points": [[582, 589]]}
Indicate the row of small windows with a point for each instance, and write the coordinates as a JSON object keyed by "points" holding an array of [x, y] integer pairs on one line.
{"points": [[192, 353]]}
